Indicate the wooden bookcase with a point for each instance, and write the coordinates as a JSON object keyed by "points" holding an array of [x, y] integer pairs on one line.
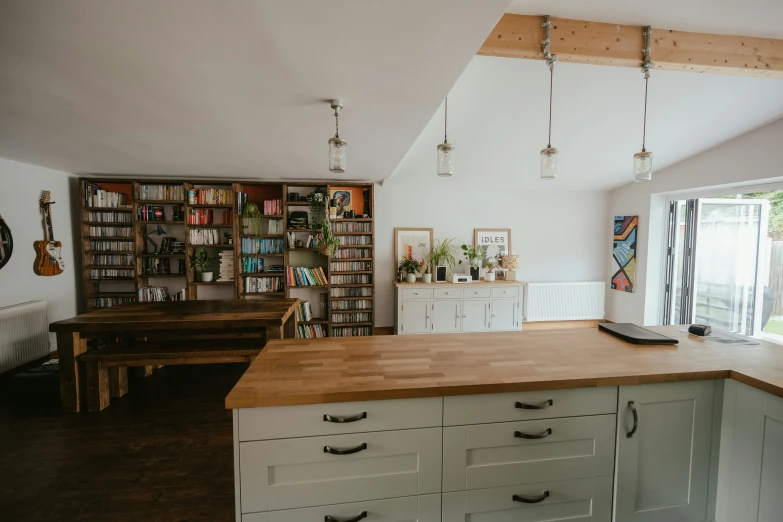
{"points": [[343, 296]]}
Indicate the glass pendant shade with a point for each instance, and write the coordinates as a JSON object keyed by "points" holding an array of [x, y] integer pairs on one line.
{"points": [[548, 163], [337, 155], [445, 160], [642, 166]]}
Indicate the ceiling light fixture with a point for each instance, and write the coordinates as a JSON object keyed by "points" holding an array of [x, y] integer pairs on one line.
{"points": [[337, 144], [445, 149], [642, 161], [549, 154]]}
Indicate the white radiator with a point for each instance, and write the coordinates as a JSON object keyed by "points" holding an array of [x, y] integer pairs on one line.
{"points": [[24, 334], [564, 301]]}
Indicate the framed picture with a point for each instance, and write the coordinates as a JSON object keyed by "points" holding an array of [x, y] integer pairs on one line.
{"points": [[496, 242], [624, 253], [348, 199], [415, 243]]}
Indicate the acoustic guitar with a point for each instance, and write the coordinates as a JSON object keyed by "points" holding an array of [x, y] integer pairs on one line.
{"points": [[6, 243], [48, 256]]}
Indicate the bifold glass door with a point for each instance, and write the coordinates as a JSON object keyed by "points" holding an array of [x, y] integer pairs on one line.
{"points": [[714, 252]]}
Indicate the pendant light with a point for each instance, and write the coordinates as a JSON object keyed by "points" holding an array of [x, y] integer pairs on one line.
{"points": [[642, 161], [549, 154], [445, 149], [337, 144]]}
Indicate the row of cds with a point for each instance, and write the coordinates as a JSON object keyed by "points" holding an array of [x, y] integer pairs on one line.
{"points": [[354, 331], [351, 266], [352, 318], [351, 279], [110, 217], [355, 304], [363, 291]]}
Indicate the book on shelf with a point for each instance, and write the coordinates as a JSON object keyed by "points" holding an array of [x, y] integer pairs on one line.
{"points": [[112, 259], [252, 265], [311, 331], [303, 276], [106, 302], [111, 273], [275, 226], [161, 192], [352, 317], [352, 331], [206, 236], [303, 311], [205, 216], [310, 242], [150, 213], [261, 246], [212, 196], [260, 285], [106, 231], [171, 245], [273, 207], [102, 245], [110, 217], [96, 197], [148, 294], [226, 265], [275, 269]]}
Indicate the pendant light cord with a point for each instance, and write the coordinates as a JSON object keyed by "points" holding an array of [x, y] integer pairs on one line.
{"points": [[336, 122], [644, 128], [446, 121], [551, 81]]}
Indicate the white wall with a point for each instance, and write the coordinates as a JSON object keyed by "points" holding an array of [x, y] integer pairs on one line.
{"points": [[20, 186], [751, 158], [559, 236]]}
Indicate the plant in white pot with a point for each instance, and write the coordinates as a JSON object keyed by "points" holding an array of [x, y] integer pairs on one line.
{"points": [[426, 276], [328, 242], [474, 255], [411, 267], [202, 262], [490, 275], [442, 259]]}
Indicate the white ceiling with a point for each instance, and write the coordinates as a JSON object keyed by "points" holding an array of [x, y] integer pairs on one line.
{"points": [[227, 88], [498, 112], [763, 18]]}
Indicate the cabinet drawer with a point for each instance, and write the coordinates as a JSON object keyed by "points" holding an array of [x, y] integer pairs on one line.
{"points": [[505, 291], [447, 293], [493, 455], [310, 419], [479, 292], [295, 473], [502, 407], [417, 293], [586, 500], [425, 508]]}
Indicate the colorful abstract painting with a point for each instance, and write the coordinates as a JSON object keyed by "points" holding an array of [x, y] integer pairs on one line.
{"points": [[624, 253]]}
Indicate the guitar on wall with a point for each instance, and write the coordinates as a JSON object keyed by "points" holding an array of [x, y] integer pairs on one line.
{"points": [[48, 256]]}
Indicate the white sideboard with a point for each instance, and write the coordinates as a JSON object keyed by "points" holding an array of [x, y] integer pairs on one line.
{"points": [[464, 307], [551, 455]]}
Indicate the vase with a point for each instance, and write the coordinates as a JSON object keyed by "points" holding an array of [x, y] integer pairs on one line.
{"points": [[489, 276], [206, 277], [426, 278], [410, 278]]}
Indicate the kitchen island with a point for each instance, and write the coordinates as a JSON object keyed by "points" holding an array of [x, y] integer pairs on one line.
{"points": [[548, 425]]}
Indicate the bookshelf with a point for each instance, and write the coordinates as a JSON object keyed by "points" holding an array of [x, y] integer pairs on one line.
{"points": [[349, 295]]}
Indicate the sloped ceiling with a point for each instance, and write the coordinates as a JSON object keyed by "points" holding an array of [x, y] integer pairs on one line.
{"points": [[206, 88]]}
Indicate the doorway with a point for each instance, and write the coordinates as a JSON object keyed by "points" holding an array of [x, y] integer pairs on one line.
{"points": [[718, 263]]}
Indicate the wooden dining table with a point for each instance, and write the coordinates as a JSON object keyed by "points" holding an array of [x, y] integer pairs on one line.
{"points": [[274, 316]]}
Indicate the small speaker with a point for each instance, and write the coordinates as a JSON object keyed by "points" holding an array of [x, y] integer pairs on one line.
{"points": [[700, 329]]}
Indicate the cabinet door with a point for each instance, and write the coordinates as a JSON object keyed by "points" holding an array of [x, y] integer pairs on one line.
{"points": [[770, 498], [475, 315], [504, 315], [416, 317], [446, 317], [663, 467]]}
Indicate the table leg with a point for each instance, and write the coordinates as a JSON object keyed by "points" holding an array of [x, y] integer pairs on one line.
{"points": [[69, 346], [273, 332], [97, 386], [289, 329], [118, 381]]}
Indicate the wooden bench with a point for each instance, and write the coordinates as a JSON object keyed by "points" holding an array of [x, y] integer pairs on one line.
{"points": [[107, 367]]}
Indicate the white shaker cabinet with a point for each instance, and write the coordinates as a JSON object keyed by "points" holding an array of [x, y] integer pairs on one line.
{"points": [[750, 485], [505, 315], [446, 316], [416, 317], [664, 437], [475, 315]]}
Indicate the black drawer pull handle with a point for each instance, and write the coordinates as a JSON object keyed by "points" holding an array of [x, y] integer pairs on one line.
{"points": [[357, 518], [543, 434], [349, 451], [342, 420], [544, 405], [536, 500], [635, 420]]}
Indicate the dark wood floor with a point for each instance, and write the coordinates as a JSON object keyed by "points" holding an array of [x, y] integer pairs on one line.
{"points": [[162, 453]]}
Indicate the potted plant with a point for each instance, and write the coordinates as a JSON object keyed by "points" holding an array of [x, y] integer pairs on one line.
{"points": [[442, 259], [490, 275], [227, 239], [474, 254], [202, 262], [328, 241], [411, 267], [426, 277]]}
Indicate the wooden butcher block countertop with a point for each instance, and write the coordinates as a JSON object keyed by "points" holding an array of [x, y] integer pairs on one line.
{"points": [[297, 371]]}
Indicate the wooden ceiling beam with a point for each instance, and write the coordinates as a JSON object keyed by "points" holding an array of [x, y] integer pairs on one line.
{"points": [[519, 36]]}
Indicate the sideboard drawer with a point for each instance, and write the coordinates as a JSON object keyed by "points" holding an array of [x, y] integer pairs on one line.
{"points": [[417, 293], [505, 291], [477, 292], [295, 473], [586, 500], [447, 293], [325, 419], [502, 407], [494, 455], [425, 508]]}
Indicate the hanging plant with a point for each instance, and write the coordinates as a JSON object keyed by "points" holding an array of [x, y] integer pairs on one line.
{"points": [[317, 200]]}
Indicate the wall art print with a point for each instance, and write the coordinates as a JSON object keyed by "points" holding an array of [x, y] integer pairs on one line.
{"points": [[624, 253], [415, 243]]}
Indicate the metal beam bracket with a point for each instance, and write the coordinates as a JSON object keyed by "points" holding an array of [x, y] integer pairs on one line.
{"points": [[647, 65], [546, 43]]}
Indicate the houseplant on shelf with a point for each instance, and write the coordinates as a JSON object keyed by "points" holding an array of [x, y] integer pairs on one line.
{"points": [[411, 267], [442, 259], [328, 242], [426, 276], [490, 275], [474, 254], [202, 262], [317, 200]]}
